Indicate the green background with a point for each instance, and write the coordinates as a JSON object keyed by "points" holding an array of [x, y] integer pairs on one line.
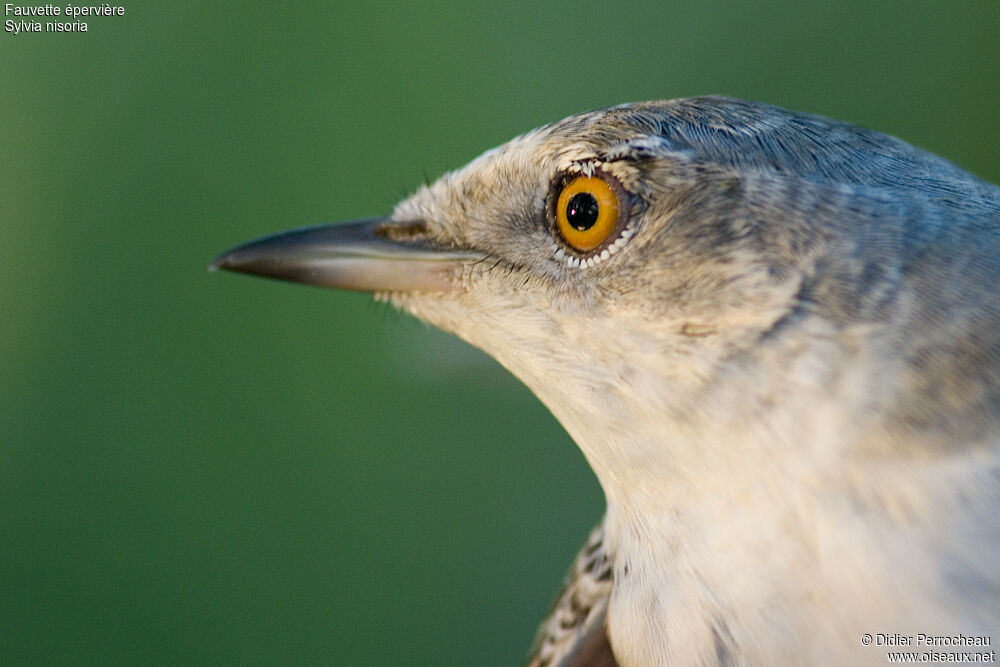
{"points": [[205, 468]]}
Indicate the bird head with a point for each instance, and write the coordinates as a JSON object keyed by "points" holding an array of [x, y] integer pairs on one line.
{"points": [[624, 262]]}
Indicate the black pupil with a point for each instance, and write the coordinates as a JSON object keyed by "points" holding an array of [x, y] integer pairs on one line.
{"points": [[581, 211]]}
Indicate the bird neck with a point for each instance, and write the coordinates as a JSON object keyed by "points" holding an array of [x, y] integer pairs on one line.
{"points": [[714, 427]]}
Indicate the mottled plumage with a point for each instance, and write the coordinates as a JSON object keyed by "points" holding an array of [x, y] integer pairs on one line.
{"points": [[573, 632], [784, 370]]}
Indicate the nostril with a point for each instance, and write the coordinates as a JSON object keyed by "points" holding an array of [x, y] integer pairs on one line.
{"points": [[414, 230]]}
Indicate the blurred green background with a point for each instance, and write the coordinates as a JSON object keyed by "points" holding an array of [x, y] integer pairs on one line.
{"points": [[201, 468]]}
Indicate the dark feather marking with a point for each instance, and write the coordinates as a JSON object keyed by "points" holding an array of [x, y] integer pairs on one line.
{"points": [[574, 633]]}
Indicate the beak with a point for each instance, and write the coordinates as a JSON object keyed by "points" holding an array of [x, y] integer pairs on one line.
{"points": [[374, 255]]}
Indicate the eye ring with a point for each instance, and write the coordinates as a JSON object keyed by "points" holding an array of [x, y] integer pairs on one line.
{"points": [[588, 211]]}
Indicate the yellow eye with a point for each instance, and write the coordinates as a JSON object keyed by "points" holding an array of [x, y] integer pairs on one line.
{"points": [[587, 212]]}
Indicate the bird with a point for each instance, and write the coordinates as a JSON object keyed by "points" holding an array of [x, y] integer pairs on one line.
{"points": [[774, 336]]}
